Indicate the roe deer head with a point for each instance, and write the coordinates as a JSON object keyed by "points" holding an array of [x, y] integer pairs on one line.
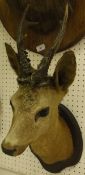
{"points": [[36, 121]]}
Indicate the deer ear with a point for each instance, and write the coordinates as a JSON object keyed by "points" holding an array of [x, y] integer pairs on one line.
{"points": [[65, 70], [12, 56]]}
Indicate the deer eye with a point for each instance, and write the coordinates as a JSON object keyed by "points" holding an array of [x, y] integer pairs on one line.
{"points": [[42, 113]]}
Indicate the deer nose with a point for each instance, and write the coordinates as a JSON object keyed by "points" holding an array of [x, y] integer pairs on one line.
{"points": [[8, 149]]}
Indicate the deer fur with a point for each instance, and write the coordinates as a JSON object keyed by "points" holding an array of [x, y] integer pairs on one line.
{"points": [[50, 137], [36, 120]]}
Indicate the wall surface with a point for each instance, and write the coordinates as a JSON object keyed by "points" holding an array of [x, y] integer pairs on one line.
{"points": [[27, 163], [6, 172]]}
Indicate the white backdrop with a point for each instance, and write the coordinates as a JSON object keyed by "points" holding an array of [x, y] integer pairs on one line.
{"points": [[27, 163]]}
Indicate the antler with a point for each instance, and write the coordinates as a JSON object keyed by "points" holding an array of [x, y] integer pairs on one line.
{"points": [[40, 76], [26, 73], [24, 63]]}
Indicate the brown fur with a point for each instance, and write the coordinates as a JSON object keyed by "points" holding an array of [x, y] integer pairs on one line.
{"points": [[53, 146], [49, 136]]}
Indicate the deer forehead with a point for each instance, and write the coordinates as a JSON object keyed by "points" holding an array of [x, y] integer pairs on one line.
{"points": [[36, 98]]}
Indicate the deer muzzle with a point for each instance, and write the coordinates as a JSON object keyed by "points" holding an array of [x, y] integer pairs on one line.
{"points": [[12, 149]]}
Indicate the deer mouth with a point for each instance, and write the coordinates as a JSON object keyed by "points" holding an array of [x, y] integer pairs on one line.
{"points": [[13, 150]]}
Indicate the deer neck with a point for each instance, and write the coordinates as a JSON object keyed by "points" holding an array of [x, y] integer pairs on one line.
{"points": [[56, 144]]}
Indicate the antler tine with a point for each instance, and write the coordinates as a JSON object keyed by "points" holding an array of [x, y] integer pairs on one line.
{"points": [[24, 63], [20, 32], [53, 50], [59, 38]]}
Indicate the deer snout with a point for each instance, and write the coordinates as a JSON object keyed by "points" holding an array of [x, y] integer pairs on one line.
{"points": [[11, 150], [8, 149]]}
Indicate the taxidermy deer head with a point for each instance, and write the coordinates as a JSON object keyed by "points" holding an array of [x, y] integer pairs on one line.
{"points": [[36, 121]]}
